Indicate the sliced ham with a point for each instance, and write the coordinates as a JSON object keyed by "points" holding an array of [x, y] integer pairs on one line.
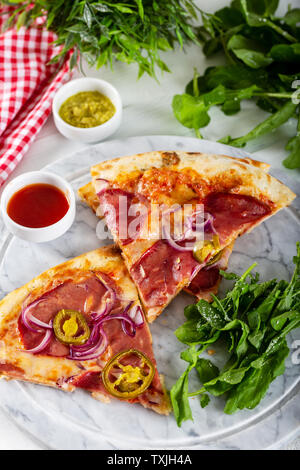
{"points": [[205, 279], [117, 208], [71, 296], [160, 271], [232, 211]]}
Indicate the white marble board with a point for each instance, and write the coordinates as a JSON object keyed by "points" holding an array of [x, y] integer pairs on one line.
{"points": [[76, 421]]}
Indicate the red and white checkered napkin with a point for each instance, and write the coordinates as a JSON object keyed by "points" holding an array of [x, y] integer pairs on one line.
{"points": [[27, 87]]}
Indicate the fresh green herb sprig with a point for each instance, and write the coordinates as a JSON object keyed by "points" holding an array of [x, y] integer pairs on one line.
{"points": [[253, 321], [262, 55], [101, 31]]}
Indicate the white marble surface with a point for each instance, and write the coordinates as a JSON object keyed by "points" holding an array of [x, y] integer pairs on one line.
{"points": [[147, 110], [51, 415]]}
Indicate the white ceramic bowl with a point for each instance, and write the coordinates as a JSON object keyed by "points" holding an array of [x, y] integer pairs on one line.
{"points": [[43, 234], [90, 134]]}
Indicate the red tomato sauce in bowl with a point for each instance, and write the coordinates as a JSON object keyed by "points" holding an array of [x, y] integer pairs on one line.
{"points": [[38, 205]]}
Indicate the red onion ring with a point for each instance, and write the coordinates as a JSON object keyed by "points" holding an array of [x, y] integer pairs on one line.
{"points": [[113, 294], [94, 342], [136, 315], [97, 316], [26, 318], [167, 236], [108, 306], [128, 330], [190, 232], [97, 342], [138, 232], [94, 337], [105, 185], [43, 344], [30, 320], [170, 211], [93, 353], [124, 317], [195, 271]]}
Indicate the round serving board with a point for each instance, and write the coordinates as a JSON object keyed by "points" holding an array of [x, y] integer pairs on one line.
{"points": [[75, 420]]}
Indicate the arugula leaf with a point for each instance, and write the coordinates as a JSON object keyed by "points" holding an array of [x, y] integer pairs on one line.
{"points": [[191, 312], [192, 332], [256, 337], [206, 370], [262, 55], [242, 345], [232, 77], [190, 111], [272, 122], [225, 381], [212, 315], [247, 51], [259, 21], [230, 17], [270, 6], [279, 321], [292, 17], [179, 392], [293, 145], [260, 7], [250, 391], [228, 275], [253, 321], [285, 53], [179, 398], [204, 400], [232, 103], [293, 160]]}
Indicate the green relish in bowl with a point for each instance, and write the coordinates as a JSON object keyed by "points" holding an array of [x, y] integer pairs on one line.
{"points": [[87, 109]]}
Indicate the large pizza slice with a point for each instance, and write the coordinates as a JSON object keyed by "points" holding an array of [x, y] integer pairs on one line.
{"points": [[80, 325], [137, 192], [208, 279]]}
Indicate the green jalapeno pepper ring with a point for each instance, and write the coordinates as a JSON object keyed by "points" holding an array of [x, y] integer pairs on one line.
{"points": [[128, 381], [66, 325]]}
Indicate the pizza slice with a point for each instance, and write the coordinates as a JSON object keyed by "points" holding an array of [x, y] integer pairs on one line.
{"points": [[80, 325], [235, 196], [206, 283], [208, 279]]}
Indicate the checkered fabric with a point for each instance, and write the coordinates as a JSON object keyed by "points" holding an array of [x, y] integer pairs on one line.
{"points": [[27, 88]]}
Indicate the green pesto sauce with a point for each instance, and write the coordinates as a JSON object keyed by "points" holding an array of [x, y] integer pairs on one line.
{"points": [[87, 109]]}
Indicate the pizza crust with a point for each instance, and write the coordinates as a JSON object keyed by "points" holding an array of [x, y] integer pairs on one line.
{"points": [[251, 176], [88, 194]]}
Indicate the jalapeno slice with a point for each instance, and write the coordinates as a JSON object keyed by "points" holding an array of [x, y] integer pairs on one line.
{"points": [[215, 258], [70, 327], [203, 248], [124, 380]]}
